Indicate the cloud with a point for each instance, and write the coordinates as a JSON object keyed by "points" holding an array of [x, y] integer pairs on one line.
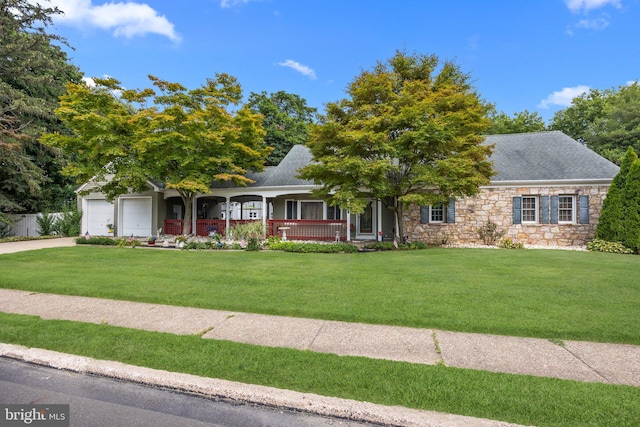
{"points": [[303, 69], [563, 97], [232, 3], [577, 6], [594, 24], [127, 19]]}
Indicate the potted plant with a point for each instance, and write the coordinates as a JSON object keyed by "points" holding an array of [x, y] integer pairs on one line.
{"points": [[151, 241], [110, 229]]}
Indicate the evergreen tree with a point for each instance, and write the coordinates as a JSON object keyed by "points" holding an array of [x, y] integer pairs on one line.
{"points": [[610, 226], [33, 73], [631, 200]]}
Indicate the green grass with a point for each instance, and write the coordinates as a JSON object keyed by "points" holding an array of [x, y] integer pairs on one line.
{"points": [[512, 398], [537, 293]]}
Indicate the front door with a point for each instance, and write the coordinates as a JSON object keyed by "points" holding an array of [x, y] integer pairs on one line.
{"points": [[366, 222]]}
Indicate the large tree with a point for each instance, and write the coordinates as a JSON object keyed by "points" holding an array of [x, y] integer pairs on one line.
{"points": [[185, 138], [410, 132], [34, 71], [286, 119], [607, 121], [521, 122]]}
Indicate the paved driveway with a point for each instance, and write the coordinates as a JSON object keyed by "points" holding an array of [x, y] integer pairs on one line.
{"points": [[30, 245]]}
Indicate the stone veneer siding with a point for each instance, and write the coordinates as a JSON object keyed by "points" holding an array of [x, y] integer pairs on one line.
{"points": [[495, 204]]}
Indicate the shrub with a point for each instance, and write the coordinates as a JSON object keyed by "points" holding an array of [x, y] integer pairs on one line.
{"points": [[247, 230], [389, 246], [302, 247], [510, 244], [599, 245], [5, 230], [106, 241], [69, 223], [46, 222], [489, 233], [254, 244]]}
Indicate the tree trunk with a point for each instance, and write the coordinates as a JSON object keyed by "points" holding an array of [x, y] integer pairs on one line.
{"points": [[187, 199]]}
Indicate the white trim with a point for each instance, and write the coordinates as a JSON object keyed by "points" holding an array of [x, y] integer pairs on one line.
{"points": [[549, 183], [536, 209]]}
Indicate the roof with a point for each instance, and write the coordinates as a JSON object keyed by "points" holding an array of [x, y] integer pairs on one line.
{"points": [[546, 156], [518, 157]]}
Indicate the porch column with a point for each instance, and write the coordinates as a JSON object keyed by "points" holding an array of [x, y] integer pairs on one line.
{"points": [[348, 225], [226, 218], [379, 217], [264, 215]]}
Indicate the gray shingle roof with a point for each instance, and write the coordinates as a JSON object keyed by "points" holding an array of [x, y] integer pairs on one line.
{"points": [[544, 156], [537, 156]]}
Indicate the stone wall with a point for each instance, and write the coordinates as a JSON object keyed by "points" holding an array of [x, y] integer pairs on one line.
{"points": [[495, 204]]}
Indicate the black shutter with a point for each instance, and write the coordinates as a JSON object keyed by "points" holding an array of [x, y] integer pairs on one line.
{"points": [[555, 205], [584, 209], [451, 211], [424, 214], [544, 200]]}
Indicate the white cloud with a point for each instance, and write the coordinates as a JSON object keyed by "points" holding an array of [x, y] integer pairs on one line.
{"points": [[563, 97], [577, 6], [232, 3], [303, 69], [594, 24], [127, 19]]}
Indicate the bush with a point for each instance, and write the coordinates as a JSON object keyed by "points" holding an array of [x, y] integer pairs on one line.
{"points": [[489, 233], [510, 244], [599, 245], [389, 246], [314, 247], [106, 241], [46, 222], [69, 223], [5, 230], [254, 244]]}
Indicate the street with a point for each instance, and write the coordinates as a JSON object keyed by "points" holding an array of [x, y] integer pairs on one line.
{"points": [[102, 402]]}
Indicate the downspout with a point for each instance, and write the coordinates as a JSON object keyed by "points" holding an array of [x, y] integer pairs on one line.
{"points": [[379, 218]]}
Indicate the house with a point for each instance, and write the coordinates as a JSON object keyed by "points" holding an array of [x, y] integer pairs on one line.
{"points": [[548, 190]]}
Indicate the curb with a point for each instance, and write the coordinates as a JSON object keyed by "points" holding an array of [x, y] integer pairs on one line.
{"points": [[244, 393]]}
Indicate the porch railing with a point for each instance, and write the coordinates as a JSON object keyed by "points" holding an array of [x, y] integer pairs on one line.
{"points": [[295, 229]]}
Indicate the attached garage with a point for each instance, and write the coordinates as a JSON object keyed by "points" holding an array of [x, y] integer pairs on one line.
{"points": [[136, 216], [97, 214]]}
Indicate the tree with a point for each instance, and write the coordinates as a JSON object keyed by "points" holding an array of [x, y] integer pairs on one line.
{"points": [[521, 122], [33, 74], [607, 121], [286, 121], [610, 226], [631, 201], [411, 132], [186, 139]]}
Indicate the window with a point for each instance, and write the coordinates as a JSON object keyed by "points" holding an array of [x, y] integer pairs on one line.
{"points": [[297, 209], [437, 213], [311, 210], [550, 209], [333, 212], [292, 209], [566, 209], [440, 213], [529, 209]]}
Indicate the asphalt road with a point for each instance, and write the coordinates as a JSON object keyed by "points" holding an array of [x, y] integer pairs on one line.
{"points": [[103, 402]]}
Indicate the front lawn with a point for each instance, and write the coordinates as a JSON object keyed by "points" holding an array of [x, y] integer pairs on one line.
{"points": [[537, 293]]}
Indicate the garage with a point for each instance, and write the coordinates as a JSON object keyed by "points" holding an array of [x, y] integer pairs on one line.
{"points": [[135, 216], [97, 213]]}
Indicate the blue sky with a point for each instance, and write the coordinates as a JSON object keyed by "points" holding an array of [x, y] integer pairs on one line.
{"points": [[531, 55]]}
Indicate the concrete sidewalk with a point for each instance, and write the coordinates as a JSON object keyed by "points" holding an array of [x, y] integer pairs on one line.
{"points": [[574, 360]]}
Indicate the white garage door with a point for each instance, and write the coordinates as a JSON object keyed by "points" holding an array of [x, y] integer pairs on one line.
{"points": [[136, 217], [98, 213]]}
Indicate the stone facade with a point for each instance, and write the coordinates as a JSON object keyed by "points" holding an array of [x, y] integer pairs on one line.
{"points": [[496, 204]]}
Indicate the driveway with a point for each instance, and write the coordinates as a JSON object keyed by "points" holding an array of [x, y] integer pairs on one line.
{"points": [[30, 245]]}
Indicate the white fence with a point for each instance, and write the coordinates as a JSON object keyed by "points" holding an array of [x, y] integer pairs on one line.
{"points": [[26, 224]]}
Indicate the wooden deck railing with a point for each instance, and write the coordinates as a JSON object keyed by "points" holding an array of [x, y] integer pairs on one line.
{"points": [[296, 229]]}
